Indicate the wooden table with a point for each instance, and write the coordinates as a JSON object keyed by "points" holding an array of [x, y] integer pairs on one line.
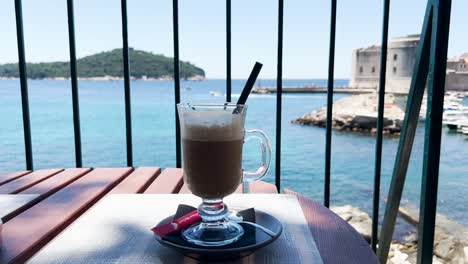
{"points": [[65, 194]]}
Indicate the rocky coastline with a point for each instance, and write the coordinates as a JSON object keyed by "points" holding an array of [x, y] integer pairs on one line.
{"points": [[358, 113], [450, 240]]}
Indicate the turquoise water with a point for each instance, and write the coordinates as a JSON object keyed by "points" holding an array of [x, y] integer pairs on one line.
{"points": [[302, 164]]}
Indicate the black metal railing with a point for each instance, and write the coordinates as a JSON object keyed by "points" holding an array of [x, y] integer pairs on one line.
{"points": [[126, 68], [24, 85], [228, 51], [331, 71], [279, 95], [74, 83], [380, 125], [431, 61], [175, 25]]}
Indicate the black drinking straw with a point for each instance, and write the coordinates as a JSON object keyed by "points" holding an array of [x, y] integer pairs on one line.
{"points": [[249, 85]]}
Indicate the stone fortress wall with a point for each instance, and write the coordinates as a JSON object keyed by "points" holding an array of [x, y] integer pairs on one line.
{"points": [[401, 57], [457, 73]]}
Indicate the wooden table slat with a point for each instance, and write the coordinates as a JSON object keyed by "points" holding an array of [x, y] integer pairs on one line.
{"points": [[48, 187], [170, 181], [58, 181], [8, 177], [184, 189], [240, 188], [262, 187], [28, 232], [9, 204], [26, 181], [337, 241], [138, 181]]}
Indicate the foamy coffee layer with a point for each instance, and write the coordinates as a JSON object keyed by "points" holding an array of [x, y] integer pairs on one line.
{"points": [[217, 125]]}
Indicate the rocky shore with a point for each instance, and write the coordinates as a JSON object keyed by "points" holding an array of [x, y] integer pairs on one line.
{"points": [[358, 113], [450, 241]]}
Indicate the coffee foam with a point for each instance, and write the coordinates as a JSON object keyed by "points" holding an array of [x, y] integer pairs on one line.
{"points": [[212, 125]]}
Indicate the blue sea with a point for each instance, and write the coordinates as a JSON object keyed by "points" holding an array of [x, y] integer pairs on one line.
{"points": [[302, 164]]}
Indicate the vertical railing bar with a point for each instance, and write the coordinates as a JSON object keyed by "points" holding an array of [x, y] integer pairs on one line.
{"points": [[175, 22], [126, 67], [74, 83], [228, 51], [408, 131], [331, 69], [279, 95], [435, 109], [24, 85], [380, 125]]}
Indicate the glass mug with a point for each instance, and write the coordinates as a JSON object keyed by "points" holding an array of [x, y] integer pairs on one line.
{"points": [[213, 137]]}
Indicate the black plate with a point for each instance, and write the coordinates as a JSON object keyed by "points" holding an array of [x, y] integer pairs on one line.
{"points": [[213, 253]]}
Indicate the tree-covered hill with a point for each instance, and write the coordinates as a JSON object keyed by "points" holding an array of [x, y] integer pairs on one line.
{"points": [[108, 63]]}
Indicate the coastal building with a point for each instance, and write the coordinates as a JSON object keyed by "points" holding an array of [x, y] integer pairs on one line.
{"points": [[401, 57], [457, 73]]}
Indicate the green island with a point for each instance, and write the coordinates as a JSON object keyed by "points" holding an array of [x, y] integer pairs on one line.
{"points": [[108, 64]]}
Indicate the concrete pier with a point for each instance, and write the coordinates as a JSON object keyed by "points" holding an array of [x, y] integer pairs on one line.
{"points": [[312, 89]]}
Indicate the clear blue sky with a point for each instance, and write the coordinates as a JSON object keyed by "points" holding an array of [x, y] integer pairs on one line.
{"points": [[202, 31]]}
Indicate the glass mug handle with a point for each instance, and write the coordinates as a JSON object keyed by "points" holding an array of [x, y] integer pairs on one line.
{"points": [[265, 147]]}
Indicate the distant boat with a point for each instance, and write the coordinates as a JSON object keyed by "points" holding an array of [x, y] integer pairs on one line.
{"points": [[451, 105], [455, 124], [455, 113], [453, 98], [464, 130], [452, 126], [463, 126], [216, 93]]}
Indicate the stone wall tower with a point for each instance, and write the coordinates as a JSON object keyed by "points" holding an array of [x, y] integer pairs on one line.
{"points": [[401, 57]]}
